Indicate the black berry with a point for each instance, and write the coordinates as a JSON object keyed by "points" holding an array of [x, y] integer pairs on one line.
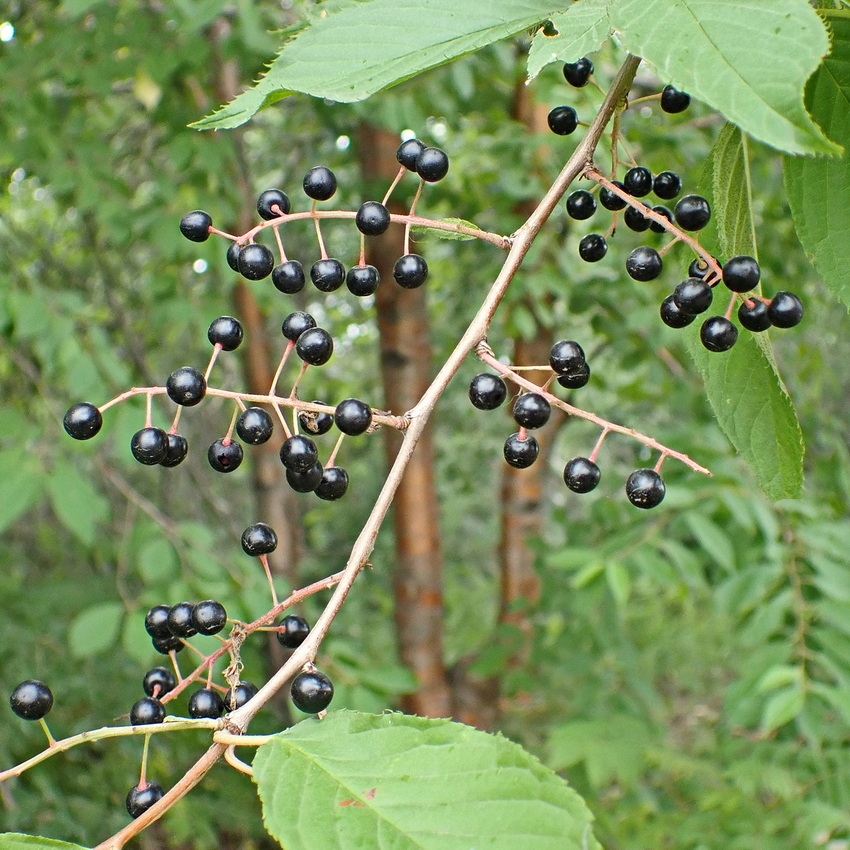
{"points": [[755, 317], [288, 277], [315, 346], [270, 199], [581, 475], [149, 446], [327, 275], [521, 453], [319, 183], [224, 457], [692, 212], [232, 255], [645, 488], [785, 310], [180, 620], [672, 316], [432, 164], [316, 423], [578, 73], [238, 696], [718, 334], [531, 410], [295, 324], [592, 247], [196, 225], [311, 692], [156, 621], [209, 617], [158, 681], [563, 120], [636, 220], [307, 481], [372, 219], [141, 798], [673, 100], [168, 644], [186, 386], [667, 185], [410, 271], [693, 296], [206, 703], [698, 268], [254, 426], [176, 452], [82, 421], [408, 152], [298, 453], [31, 700], [644, 263], [638, 181], [487, 392], [333, 485], [292, 631], [654, 226], [255, 261], [565, 355], [353, 416], [147, 710], [574, 376], [581, 205], [362, 280], [609, 200], [741, 273], [226, 332], [259, 539]]}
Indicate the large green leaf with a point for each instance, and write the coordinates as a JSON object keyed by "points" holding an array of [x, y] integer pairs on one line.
{"points": [[749, 59], [17, 841], [818, 189], [363, 48], [357, 780]]}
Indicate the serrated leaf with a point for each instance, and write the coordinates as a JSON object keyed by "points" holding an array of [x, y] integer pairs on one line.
{"points": [[749, 60], [782, 707], [363, 48], [76, 502], [17, 841], [818, 188], [732, 202], [449, 234], [581, 30], [95, 629], [355, 780]]}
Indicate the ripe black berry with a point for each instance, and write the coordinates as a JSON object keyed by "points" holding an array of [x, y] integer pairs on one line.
{"points": [[645, 488], [592, 247], [432, 164], [327, 275], [672, 316], [408, 152], [255, 261], [226, 332], [254, 426], [718, 334], [288, 277], [565, 355], [270, 199], [698, 268], [581, 205], [195, 226], [692, 212], [31, 700], [307, 481], [575, 376], [581, 475], [176, 452], [232, 255], [180, 620], [149, 446], [353, 416], [636, 220], [487, 392], [259, 539], [167, 644], [673, 100], [654, 226], [362, 280], [609, 200], [333, 485], [224, 457], [319, 183], [316, 423], [186, 386], [667, 185], [410, 271], [206, 703], [785, 310], [693, 296], [531, 410], [644, 263], [293, 630], [82, 421], [638, 181], [741, 274], [238, 696], [311, 692], [578, 73], [754, 318], [147, 710], [296, 323], [141, 798], [315, 346], [372, 219], [298, 453], [158, 681], [563, 120], [156, 621], [521, 453], [209, 617]]}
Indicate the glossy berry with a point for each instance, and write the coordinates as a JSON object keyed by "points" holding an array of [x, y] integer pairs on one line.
{"points": [[578, 73], [362, 280], [176, 452], [636, 220], [254, 426], [255, 261], [224, 457], [755, 317], [645, 488], [327, 275], [226, 332], [520, 454], [259, 539], [140, 799], [292, 631], [186, 386], [209, 617], [654, 226], [609, 200], [672, 316], [306, 481], [288, 277], [718, 334], [673, 100], [298, 453], [667, 185], [315, 423], [372, 219], [238, 696], [563, 120], [270, 199], [785, 310], [432, 164], [638, 181], [156, 621], [575, 376], [592, 247], [31, 700], [315, 346], [408, 152], [158, 681], [692, 212], [232, 255], [693, 296], [644, 263], [410, 271], [698, 268], [82, 421], [564, 355], [581, 475], [487, 392], [311, 692], [319, 183], [165, 645], [295, 324], [581, 205], [180, 620], [206, 703], [531, 410], [195, 226], [353, 416], [147, 710], [149, 446], [333, 485], [741, 273]]}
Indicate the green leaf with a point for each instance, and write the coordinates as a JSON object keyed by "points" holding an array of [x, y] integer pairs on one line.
{"points": [[20, 486], [619, 582], [712, 538], [76, 502], [581, 30], [749, 60], [366, 47], [779, 676], [782, 707], [732, 202], [16, 841], [818, 188], [356, 780], [95, 629]]}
